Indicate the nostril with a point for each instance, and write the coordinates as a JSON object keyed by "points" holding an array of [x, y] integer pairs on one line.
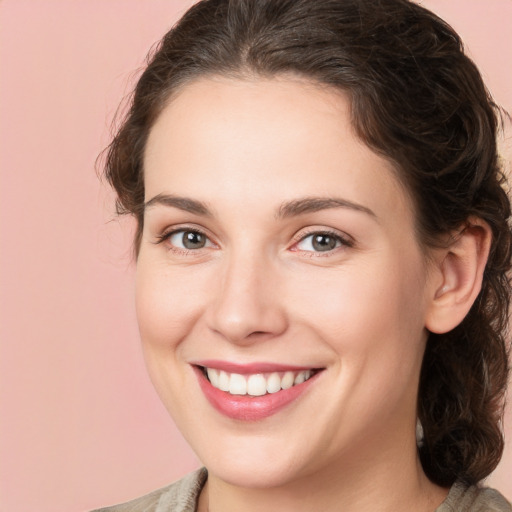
{"points": [[258, 335], [245, 319]]}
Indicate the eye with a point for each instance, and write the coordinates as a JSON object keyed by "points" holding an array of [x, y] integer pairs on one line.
{"points": [[187, 239], [321, 242]]}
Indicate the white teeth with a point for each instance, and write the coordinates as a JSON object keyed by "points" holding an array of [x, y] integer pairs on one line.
{"points": [[223, 381], [287, 380], [274, 383], [300, 378], [237, 384], [213, 376], [256, 384]]}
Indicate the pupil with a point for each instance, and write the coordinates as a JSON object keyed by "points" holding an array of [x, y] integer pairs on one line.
{"points": [[193, 240], [324, 243]]}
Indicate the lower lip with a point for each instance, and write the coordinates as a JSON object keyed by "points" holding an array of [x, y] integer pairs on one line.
{"points": [[251, 408]]}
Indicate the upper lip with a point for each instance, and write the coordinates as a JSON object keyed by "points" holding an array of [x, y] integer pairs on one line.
{"points": [[250, 368]]}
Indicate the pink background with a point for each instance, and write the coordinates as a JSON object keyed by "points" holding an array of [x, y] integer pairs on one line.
{"points": [[80, 425]]}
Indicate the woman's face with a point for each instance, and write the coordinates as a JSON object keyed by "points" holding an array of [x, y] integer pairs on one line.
{"points": [[277, 248]]}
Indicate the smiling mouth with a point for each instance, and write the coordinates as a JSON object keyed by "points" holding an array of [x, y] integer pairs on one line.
{"points": [[256, 384]]}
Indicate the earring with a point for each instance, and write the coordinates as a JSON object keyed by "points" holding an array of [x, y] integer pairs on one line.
{"points": [[420, 436]]}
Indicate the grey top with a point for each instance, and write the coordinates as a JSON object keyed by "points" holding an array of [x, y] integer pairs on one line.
{"points": [[183, 495], [473, 499]]}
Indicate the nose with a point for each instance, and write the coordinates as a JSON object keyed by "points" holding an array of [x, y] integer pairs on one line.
{"points": [[246, 306]]}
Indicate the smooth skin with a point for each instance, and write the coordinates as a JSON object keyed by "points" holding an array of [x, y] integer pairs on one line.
{"points": [[237, 163]]}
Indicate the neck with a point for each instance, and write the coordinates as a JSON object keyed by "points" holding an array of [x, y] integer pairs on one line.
{"points": [[361, 482]]}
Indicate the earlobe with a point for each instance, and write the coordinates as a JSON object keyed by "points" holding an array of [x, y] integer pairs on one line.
{"points": [[459, 269]]}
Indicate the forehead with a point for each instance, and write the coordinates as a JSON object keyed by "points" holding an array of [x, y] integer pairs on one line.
{"points": [[264, 139]]}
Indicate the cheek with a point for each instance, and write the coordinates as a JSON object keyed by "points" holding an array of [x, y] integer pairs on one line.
{"points": [[372, 309], [167, 311], [167, 304], [361, 294]]}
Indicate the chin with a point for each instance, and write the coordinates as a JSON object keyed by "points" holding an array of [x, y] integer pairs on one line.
{"points": [[253, 474], [258, 459]]}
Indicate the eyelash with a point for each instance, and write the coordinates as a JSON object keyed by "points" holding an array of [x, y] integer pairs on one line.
{"points": [[344, 241], [166, 235]]}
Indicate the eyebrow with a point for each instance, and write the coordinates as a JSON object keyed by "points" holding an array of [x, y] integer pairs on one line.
{"points": [[288, 209], [315, 204], [182, 203]]}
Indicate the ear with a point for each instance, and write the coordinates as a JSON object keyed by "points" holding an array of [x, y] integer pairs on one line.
{"points": [[457, 277]]}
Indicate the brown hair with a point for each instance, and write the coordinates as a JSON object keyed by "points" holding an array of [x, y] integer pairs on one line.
{"points": [[417, 99]]}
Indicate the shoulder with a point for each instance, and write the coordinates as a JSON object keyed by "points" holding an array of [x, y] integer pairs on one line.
{"points": [[474, 499], [181, 496]]}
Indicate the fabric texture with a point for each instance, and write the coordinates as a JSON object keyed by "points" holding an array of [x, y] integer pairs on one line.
{"points": [[183, 496], [474, 499]]}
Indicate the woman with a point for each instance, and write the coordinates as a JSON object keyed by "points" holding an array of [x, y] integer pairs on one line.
{"points": [[322, 249]]}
